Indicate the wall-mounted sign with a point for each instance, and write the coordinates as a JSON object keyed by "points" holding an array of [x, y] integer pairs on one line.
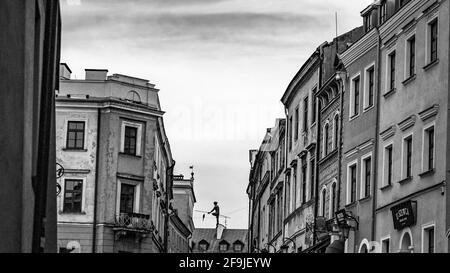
{"points": [[404, 214]]}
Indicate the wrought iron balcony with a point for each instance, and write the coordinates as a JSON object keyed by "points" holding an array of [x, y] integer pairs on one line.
{"points": [[134, 222]]}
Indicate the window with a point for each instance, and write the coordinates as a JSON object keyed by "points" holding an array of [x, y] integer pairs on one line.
{"points": [[294, 187], [326, 135], [370, 87], [385, 245], [288, 195], [305, 115], [203, 246], [312, 175], [297, 122], [323, 203], [352, 183], [130, 140], [333, 200], [388, 157], [428, 157], [336, 131], [383, 11], [237, 247], [433, 28], [354, 100], [223, 247], [290, 133], [127, 198], [368, 22], [392, 71], [313, 104], [304, 179], [73, 194], [75, 135], [407, 157], [367, 170], [279, 210], [429, 240], [411, 56]]}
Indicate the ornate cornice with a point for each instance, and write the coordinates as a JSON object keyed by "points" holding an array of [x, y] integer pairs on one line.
{"points": [[407, 123], [388, 133], [429, 112]]}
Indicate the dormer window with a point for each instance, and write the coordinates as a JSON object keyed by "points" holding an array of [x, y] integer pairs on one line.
{"points": [[368, 22], [203, 246], [383, 11], [223, 246], [238, 246]]}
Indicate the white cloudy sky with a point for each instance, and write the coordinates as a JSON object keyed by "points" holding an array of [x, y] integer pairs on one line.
{"points": [[222, 67]]}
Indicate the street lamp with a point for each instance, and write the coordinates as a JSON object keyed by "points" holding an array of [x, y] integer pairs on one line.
{"points": [[285, 247], [342, 218]]}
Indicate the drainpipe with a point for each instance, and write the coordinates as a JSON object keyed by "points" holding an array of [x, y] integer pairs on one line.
{"points": [[169, 183], [286, 111], [377, 130], [97, 162], [318, 117], [341, 114]]}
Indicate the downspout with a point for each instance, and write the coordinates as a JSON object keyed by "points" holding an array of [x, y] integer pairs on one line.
{"points": [[316, 170], [377, 129], [286, 130], [169, 183], [341, 121], [97, 162]]}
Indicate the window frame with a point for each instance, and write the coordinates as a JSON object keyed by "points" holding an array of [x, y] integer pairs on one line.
{"points": [[63, 196], [354, 163], [336, 123], [366, 94], [386, 165], [426, 147], [305, 114], [139, 127], [405, 155], [409, 54], [363, 186], [332, 205], [137, 194], [429, 42], [353, 113], [425, 232], [68, 121], [384, 239]]}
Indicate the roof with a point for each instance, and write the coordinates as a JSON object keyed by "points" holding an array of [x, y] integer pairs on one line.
{"points": [[209, 235]]}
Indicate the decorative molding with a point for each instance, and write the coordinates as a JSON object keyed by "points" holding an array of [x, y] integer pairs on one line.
{"points": [[130, 177], [388, 133], [303, 153], [407, 123], [429, 112], [359, 148], [76, 171]]}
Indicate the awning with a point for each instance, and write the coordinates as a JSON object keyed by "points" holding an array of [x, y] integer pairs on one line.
{"points": [[337, 246]]}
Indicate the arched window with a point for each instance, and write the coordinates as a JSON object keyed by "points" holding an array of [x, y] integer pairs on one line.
{"points": [[326, 135], [134, 97], [323, 197], [333, 200], [336, 131]]}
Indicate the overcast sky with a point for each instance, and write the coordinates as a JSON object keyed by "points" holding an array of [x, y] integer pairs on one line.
{"points": [[222, 67]]}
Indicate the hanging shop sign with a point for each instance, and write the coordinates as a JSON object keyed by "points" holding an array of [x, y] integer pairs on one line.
{"points": [[404, 214]]}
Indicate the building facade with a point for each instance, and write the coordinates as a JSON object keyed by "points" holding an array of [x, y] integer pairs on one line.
{"points": [[29, 54], [116, 186], [220, 240]]}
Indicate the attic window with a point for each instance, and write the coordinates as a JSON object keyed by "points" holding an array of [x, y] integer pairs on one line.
{"points": [[223, 246], [368, 22], [238, 246], [203, 246], [133, 96]]}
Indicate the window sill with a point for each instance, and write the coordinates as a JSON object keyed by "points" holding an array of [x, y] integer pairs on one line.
{"points": [[71, 213], [389, 93], [130, 155], [74, 150], [406, 180], [384, 188], [365, 199], [354, 117], [427, 173], [430, 65], [409, 79], [351, 205], [367, 109]]}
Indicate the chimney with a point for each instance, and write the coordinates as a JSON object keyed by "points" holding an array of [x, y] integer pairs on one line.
{"points": [[96, 74], [64, 71], [219, 231]]}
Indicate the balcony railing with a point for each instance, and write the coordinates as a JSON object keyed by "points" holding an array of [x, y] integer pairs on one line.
{"points": [[134, 221]]}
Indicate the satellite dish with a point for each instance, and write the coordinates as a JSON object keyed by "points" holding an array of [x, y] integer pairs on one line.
{"points": [[74, 247]]}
